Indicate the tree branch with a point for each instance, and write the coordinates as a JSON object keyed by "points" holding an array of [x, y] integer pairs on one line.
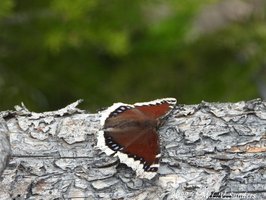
{"points": [[206, 149]]}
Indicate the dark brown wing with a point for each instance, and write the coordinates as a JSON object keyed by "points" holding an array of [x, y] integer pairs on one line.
{"points": [[133, 133], [141, 145], [156, 109]]}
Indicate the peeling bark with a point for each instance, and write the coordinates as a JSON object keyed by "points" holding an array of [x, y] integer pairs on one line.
{"points": [[208, 150]]}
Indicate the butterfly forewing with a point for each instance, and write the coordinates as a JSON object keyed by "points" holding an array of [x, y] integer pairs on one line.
{"points": [[156, 109]]}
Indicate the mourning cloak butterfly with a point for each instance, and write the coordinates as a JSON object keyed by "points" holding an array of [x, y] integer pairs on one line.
{"points": [[130, 132]]}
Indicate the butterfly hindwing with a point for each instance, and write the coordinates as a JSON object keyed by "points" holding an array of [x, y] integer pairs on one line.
{"points": [[142, 146]]}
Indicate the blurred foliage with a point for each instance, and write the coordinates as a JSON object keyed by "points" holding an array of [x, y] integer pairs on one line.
{"points": [[54, 52]]}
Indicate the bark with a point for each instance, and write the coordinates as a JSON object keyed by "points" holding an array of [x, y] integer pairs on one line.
{"points": [[208, 150]]}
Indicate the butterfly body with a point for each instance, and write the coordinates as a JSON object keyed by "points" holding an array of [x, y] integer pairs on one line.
{"points": [[130, 132]]}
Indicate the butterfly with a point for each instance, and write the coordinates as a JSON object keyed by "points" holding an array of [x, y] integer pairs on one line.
{"points": [[130, 133]]}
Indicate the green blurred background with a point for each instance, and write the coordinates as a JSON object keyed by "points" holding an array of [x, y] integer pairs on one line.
{"points": [[53, 52]]}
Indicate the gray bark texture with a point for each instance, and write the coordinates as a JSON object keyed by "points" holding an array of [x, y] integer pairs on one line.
{"points": [[209, 151]]}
